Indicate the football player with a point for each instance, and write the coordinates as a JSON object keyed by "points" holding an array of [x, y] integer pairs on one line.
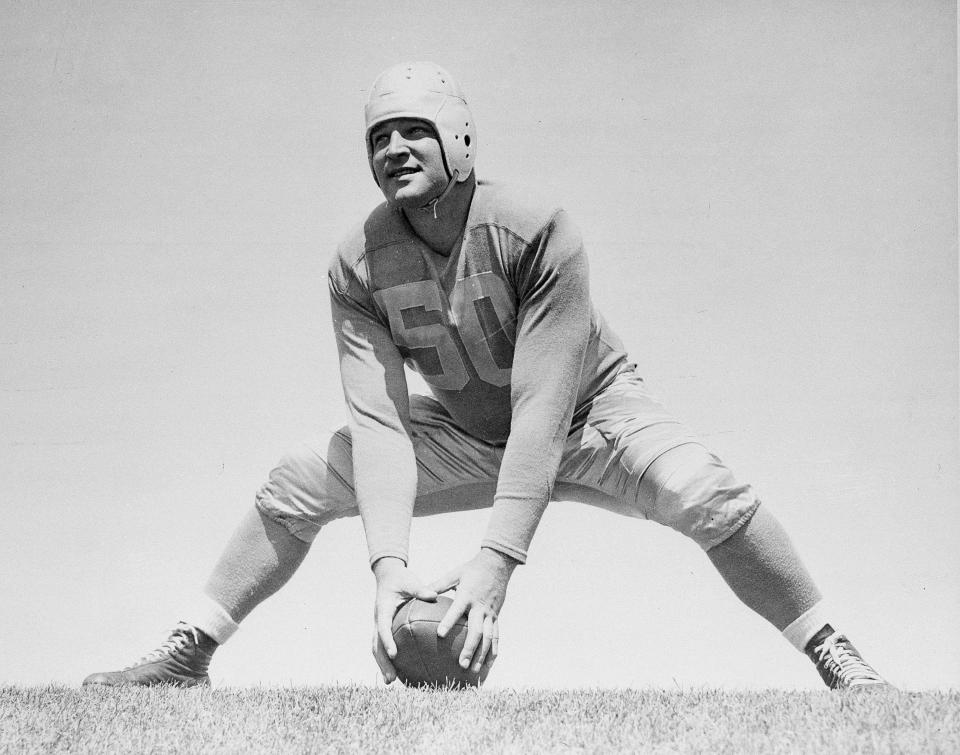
{"points": [[485, 293]]}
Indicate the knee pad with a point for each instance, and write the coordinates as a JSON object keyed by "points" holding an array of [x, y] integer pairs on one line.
{"points": [[694, 493], [311, 485]]}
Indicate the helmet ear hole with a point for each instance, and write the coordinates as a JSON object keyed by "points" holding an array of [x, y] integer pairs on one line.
{"points": [[466, 139]]}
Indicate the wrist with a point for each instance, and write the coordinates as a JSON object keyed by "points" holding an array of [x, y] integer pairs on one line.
{"points": [[502, 560], [385, 564]]}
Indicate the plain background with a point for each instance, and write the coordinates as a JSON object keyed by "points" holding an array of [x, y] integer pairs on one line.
{"points": [[768, 192]]}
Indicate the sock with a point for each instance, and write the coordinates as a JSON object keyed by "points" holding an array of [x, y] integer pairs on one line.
{"points": [[806, 626], [211, 618]]}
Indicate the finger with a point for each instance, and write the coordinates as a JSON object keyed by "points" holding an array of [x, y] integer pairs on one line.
{"points": [[489, 628], [427, 594], [495, 643], [446, 582], [384, 627], [457, 609], [380, 656], [474, 635]]}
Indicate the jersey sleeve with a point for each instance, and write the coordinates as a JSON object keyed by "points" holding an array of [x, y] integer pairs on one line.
{"points": [[375, 389], [553, 328]]}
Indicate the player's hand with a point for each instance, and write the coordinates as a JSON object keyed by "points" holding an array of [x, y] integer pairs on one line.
{"points": [[395, 584], [481, 589]]}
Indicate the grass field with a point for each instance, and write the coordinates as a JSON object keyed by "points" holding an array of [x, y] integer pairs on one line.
{"points": [[366, 719]]}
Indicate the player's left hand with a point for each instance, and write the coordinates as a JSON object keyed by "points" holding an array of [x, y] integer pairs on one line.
{"points": [[481, 589]]}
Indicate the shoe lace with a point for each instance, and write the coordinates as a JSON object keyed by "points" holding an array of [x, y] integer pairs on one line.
{"points": [[181, 635], [837, 656]]}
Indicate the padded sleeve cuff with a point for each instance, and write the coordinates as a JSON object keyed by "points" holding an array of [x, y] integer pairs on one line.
{"points": [[388, 553], [515, 553]]}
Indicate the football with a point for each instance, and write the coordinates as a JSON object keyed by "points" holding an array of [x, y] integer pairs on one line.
{"points": [[423, 658]]}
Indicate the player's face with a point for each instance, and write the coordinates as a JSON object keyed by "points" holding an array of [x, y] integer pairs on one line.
{"points": [[408, 161]]}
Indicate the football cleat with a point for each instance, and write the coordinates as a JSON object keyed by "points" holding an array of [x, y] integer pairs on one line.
{"points": [[840, 664], [181, 660]]}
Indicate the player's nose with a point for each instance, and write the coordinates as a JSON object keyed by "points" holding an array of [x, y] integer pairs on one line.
{"points": [[397, 144]]}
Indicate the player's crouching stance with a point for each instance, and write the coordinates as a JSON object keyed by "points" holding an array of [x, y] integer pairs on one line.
{"points": [[486, 295]]}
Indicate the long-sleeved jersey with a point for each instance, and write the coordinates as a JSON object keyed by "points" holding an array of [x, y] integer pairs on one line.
{"points": [[504, 332]]}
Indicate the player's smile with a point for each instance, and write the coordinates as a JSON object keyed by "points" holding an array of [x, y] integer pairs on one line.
{"points": [[402, 171]]}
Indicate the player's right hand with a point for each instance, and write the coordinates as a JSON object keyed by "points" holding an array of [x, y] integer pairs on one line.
{"points": [[395, 584]]}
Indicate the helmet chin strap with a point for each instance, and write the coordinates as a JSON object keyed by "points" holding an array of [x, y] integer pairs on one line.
{"points": [[432, 204]]}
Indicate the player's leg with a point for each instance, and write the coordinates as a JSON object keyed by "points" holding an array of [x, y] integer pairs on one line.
{"points": [[264, 551], [633, 450], [310, 487], [764, 570], [258, 560], [758, 561]]}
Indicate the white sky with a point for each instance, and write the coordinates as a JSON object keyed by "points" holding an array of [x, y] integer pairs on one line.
{"points": [[769, 197]]}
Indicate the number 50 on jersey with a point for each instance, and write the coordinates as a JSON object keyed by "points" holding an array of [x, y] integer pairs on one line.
{"points": [[479, 314]]}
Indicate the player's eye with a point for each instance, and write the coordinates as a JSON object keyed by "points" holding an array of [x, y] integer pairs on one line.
{"points": [[418, 132]]}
